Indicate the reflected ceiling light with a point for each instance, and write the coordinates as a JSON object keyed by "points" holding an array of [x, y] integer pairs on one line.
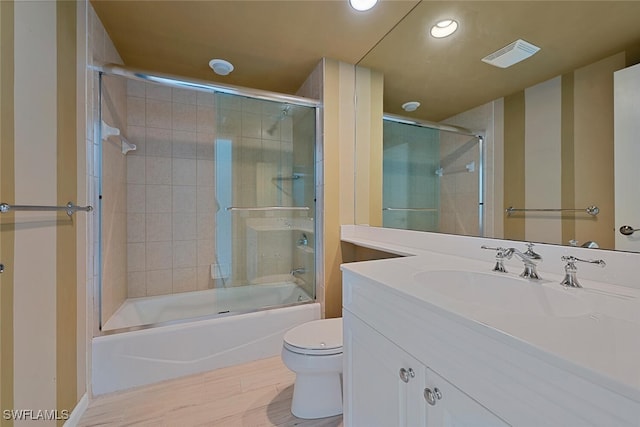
{"points": [[221, 67], [410, 106], [444, 28], [362, 5]]}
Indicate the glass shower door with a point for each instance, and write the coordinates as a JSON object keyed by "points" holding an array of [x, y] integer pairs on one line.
{"points": [[265, 191]]}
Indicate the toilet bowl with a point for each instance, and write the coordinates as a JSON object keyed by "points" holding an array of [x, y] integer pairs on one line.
{"points": [[313, 351]]}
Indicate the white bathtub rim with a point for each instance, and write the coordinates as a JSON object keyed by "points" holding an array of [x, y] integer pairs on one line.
{"points": [[177, 323]]}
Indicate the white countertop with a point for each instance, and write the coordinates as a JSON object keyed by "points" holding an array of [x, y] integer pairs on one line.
{"points": [[601, 345]]}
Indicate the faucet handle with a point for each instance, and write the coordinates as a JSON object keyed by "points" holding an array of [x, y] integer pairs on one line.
{"points": [[570, 280], [501, 254], [571, 260]]}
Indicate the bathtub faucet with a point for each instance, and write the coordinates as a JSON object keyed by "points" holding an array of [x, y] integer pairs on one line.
{"points": [[300, 270]]}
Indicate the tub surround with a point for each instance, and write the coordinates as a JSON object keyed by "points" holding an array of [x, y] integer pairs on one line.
{"points": [[584, 353], [131, 359]]}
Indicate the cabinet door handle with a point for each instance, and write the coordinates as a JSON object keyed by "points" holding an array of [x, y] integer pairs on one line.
{"points": [[406, 374], [431, 396]]}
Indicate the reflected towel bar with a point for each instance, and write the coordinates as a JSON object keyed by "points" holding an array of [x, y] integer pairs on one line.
{"points": [[270, 208], [70, 208], [591, 210], [411, 209]]}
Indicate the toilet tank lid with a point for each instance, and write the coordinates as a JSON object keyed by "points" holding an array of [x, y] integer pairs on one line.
{"points": [[317, 334]]}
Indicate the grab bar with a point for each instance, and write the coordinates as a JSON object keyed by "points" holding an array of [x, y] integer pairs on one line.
{"points": [[269, 208], [70, 208], [591, 210], [411, 209]]}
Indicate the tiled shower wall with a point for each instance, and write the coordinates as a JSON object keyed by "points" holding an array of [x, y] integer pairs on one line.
{"points": [[171, 202]]}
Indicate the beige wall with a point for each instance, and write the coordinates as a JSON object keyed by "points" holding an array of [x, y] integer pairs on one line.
{"points": [[334, 83], [42, 298], [559, 154]]}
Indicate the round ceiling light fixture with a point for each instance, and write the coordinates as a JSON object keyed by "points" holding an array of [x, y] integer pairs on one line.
{"points": [[221, 67], [362, 5], [410, 106], [444, 28]]}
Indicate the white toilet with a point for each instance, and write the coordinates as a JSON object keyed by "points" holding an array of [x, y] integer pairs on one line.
{"points": [[313, 351]]}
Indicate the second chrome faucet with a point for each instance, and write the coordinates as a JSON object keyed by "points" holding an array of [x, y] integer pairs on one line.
{"points": [[529, 258]]}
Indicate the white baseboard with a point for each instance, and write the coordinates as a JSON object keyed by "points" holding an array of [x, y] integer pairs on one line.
{"points": [[78, 411]]}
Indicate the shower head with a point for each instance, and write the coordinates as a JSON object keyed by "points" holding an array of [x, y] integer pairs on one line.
{"points": [[283, 114]]}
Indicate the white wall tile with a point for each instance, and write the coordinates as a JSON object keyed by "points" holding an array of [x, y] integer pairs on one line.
{"points": [[205, 119], [184, 253], [184, 144], [205, 143], [158, 142], [184, 279], [159, 255], [205, 227], [206, 202], [158, 114], [159, 92], [184, 117], [136, 88], [205, 98], [136, 257], [184, 226], [158, 198], [135, 111], [184, 172], [136, 170], [205, 174], [159, 282], [205, 250], [136, 227], [184, 199], [158, 227], [136, 135], [136, 281], [158, 170], [136, 198], [203, 279], [184, 96]]}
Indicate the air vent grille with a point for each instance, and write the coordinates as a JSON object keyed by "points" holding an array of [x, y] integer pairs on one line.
{"points": [[511, 54]]}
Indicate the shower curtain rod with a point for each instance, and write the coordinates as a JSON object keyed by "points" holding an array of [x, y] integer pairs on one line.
{"points": [[203, 85], [432, 125]]}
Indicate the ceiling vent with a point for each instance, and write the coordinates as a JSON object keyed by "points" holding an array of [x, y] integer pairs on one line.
{"points": [[511, 54]]}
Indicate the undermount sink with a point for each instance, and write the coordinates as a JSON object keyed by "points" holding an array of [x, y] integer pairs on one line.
{"points": [[504, 293]]}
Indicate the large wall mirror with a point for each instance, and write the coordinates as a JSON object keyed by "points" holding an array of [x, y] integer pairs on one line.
{"points": [[546, 122]]}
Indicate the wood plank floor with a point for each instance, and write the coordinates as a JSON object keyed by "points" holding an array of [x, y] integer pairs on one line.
{"points": [[256, 394]]}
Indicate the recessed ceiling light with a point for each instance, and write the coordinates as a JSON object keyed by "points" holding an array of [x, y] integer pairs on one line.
{"points": [[444, 28], [221, 67], [410, 106], [362, 5]]}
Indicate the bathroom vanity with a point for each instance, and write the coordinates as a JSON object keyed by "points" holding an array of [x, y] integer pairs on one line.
{"points": [[435, 339]]}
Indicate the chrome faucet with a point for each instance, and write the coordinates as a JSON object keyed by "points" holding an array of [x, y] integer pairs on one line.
{"points": [[300, 270], [570, 280], [529, 257], [303, 241]]}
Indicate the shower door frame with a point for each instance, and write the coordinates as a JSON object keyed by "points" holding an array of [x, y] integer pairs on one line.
{"points": [[209, 87]]}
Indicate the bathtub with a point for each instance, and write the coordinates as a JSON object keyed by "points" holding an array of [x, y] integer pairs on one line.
{"points": [[166, 308], [135, 358]]}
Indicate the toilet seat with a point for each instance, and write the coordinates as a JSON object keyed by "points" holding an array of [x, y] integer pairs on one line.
{"points": [[315, 338]]}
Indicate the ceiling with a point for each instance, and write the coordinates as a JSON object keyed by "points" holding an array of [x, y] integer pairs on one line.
{"points": [[274, 45]]}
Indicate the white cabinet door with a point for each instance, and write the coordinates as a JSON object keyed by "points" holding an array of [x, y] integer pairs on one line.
{"points": [[376, 392], [448, 406]]}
